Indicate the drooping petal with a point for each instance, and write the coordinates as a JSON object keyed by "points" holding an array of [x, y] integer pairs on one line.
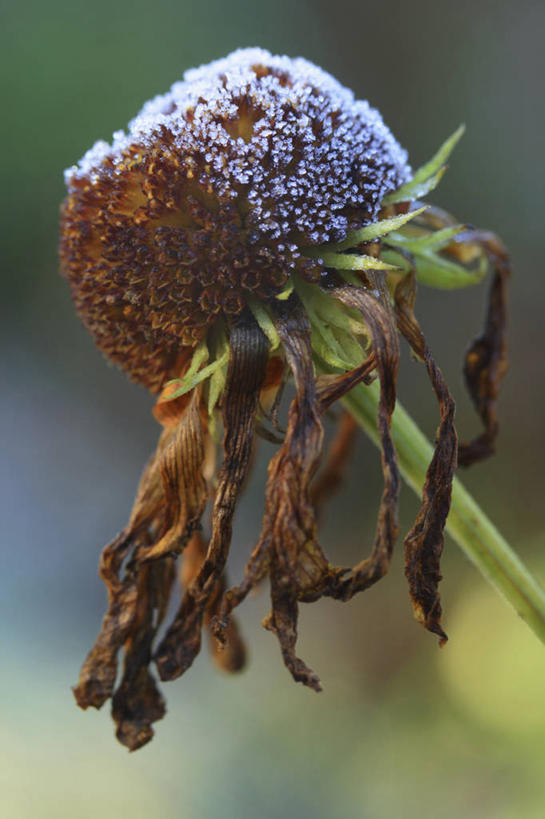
{"points": [[378, 317], [486, 360], [466, 256], [137, 702], [184, 487], [297, 565], [331, 388], [246, 371], [424, 543], [98, 673], [282, 621]]}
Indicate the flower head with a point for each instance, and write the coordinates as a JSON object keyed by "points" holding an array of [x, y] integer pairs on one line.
{"points": [[255, 225], [210, 196]]}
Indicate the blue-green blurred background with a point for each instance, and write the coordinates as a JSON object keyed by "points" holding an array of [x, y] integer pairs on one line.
{"points": [[402, 729]]}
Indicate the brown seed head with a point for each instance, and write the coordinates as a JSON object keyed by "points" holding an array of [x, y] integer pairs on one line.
{"points": [[210, 196]]}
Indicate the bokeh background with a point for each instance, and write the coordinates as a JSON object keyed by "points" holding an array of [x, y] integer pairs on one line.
{"points": [[402, 729]]}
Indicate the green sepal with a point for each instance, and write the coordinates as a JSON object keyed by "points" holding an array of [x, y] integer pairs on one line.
{"points": [[373, 231], [339, 335], [427, 177], [286, 292], [414, 190], [350, 261], [201, 354], [194, 374], [437, 271], [219, 376], [423, 241], [330, 310], [187, 383]]}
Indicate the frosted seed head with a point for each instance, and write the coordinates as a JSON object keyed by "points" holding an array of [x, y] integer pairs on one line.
{"points": [[232, 170]]}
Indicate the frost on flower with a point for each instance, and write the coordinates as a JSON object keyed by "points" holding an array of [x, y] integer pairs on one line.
{"points": [[256, 226]]}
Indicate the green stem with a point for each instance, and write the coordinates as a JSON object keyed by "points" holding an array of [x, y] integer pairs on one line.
{"points": [[474, 533]]}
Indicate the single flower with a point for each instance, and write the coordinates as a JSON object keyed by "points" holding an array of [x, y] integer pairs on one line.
{"points": [[256, 225]]}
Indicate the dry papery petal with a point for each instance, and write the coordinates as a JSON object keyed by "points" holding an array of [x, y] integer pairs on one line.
{"points": [[99, 671], [486, 360]]}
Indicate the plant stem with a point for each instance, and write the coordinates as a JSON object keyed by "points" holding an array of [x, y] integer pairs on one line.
{"points": [[474, 533]]}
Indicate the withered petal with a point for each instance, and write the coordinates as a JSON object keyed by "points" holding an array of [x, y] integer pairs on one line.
{"points": [[137, 702], [98, 673], [282, 621], [331, 388], [184, 486], [378, 316], [247, 366], [424, 543], [486, 360]]}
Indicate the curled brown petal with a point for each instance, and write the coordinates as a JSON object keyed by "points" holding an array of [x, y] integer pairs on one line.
{"points": [[377, 315], [282, 621], [331, 388], [486, 360], [290, 521], [137, 702], [98, 673], [297, 565], [424, 543], [247, 366]]}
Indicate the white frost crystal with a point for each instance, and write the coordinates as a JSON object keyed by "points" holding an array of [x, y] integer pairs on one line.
{"points": [[317, 162]]}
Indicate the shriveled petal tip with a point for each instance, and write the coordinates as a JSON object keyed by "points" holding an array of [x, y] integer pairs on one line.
{"points": [[137, 702], [99, 671], [282, 621]]}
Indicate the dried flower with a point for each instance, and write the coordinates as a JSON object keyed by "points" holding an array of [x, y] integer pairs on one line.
{"points": [[258, 223]]}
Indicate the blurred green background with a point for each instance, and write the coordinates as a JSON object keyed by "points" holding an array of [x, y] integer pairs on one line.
{"points": [[402, 729]]}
